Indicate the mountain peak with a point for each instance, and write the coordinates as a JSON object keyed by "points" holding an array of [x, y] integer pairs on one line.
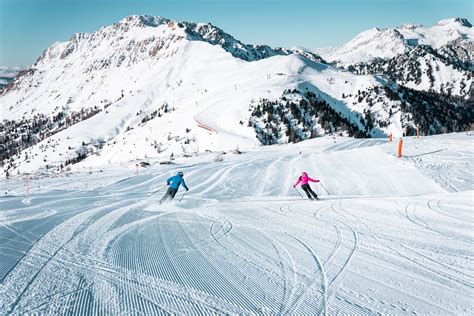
{"points": [[460, 21], [388, 42], [144, 20], [410, 26]]}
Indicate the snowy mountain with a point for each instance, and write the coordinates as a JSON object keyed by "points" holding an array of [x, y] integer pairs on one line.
{"points": [[7, 74], [390, 42], [424, 68], [148, 87], [91, 132], [438, 58]]}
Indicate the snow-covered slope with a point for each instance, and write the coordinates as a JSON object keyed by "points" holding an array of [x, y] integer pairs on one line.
{"points": [[425, 69], [155, 88], [390, 42], [368, 45], [210, 88], [389, 239], [148, 87], [438, 58], [440, 34]]}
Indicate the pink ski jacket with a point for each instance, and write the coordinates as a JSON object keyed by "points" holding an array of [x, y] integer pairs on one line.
{"points": [[304, 179]]}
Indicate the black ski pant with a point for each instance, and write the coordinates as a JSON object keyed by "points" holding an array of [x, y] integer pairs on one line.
{"points": [[306, 188], [170, 193]]}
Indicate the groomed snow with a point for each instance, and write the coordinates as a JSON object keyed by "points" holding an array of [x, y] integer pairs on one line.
{"points": [[393, 237]]}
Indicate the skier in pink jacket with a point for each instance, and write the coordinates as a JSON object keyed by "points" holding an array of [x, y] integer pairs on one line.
{"points": [[304, 179]]}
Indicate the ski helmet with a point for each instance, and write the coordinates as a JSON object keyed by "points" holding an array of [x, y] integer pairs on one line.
{"points": [[180, 173]]}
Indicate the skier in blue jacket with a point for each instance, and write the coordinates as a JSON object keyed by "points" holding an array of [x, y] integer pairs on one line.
{"points": [[174, 183]]}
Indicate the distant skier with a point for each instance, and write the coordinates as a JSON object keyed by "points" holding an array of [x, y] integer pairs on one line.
{"points": [[304, 179], [174, 183]]}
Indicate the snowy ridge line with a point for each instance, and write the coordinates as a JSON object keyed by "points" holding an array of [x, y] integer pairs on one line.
{"points": [[208, 79]]}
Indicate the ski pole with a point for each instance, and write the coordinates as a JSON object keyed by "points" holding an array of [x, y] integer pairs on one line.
{"points": [[182, 196], [298, 192], [324, 188], [154, 192]]}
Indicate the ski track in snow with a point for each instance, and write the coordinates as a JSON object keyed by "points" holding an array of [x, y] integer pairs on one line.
{"points": [[242, 242]]}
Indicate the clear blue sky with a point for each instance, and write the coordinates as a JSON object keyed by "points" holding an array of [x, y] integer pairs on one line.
{"points": [[27, 27]]}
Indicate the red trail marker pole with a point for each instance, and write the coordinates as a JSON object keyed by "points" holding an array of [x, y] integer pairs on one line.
{"points": [[400, 145]]}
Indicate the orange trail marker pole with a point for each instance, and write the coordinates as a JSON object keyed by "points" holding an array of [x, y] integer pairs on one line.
{"points": [[417, 132], [390, 137], [400, 145]]}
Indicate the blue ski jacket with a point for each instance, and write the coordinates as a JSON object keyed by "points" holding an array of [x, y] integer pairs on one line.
{"points": [[176, 181]]}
